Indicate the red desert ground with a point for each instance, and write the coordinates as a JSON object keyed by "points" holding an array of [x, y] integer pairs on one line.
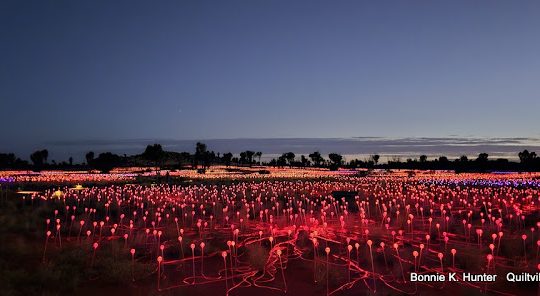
{"points": [[287, 230]]}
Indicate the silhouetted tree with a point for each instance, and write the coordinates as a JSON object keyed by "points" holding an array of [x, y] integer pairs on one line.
{"points": [[316, 158], [7, 160], [463, 158], [482, 157], [258, 154], [227, 158], [200, 153], [154, 153], [39, 158], [304, 161], [243, 157], [357, 163], [45, 154], [10, 160], [423, 158], [282, 160], [89, 158], [70, 161], [375, 158], [107, 161], [289, 156], [444, 163], [526, 157], [183, 158], [246, 157], [209, 157], [336, 159]]}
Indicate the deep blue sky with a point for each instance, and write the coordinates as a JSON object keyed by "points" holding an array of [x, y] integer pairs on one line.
{"points": [[78, 70]]}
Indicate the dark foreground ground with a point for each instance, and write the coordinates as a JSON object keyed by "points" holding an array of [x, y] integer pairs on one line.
{"points": [[68, 270]]}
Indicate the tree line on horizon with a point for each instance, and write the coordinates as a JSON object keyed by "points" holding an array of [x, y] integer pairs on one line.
{"points": [[202, 158]]}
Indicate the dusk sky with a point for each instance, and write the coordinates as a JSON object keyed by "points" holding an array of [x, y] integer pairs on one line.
{"points": [[107, 70]]}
